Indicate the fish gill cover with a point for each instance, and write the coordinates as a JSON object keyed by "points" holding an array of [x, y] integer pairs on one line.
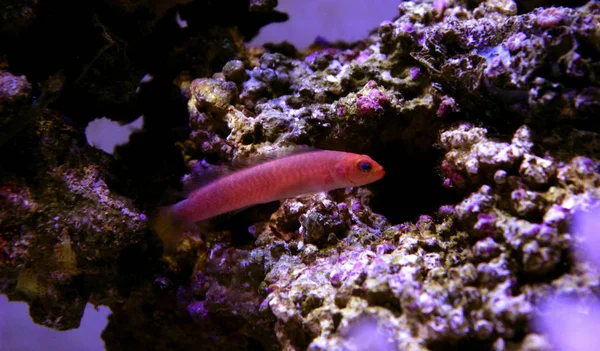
{"points": [[483, 113]]}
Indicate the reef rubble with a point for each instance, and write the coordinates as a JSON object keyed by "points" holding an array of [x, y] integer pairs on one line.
{"points": [[484, 117]]}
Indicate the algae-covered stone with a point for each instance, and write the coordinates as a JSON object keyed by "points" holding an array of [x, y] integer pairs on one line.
{"points": [[495, 106]]}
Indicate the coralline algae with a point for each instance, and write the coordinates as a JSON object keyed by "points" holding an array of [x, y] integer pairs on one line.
{"points": [[501, 106]]}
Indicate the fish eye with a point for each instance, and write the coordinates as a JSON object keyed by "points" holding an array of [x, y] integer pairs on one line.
{"points": [[365, 167]]}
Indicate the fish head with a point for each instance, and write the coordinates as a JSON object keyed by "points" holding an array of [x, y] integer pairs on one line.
{"points": [[361, 169]]}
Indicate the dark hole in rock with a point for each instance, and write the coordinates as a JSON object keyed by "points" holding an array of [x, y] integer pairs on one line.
{"points": [[254, 344], [239, 223], [412, 185], [248, 139], [537, 277], [137, 263], [151, 162]]}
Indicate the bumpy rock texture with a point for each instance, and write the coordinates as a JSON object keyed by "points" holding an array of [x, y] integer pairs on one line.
{"points": [[484, 118]]}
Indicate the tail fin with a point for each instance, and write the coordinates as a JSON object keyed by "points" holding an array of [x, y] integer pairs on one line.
{"points": [[168, 228]]}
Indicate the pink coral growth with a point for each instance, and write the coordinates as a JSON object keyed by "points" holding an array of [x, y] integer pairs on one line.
{"points": [[372, 102], [453, 176], [515, 41], [551, 16], [415, 72], [447, 105], [363, 56], [407, 27]]}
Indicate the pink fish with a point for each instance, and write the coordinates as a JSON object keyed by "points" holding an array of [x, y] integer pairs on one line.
{"points": [[280, 178]]}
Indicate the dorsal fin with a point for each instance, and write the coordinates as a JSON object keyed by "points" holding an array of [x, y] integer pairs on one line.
{"points": [[201, 174], [204, 173], [266, 156]]}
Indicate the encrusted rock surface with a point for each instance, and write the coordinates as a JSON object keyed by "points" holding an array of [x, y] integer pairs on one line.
{"points": [[483, 117]]}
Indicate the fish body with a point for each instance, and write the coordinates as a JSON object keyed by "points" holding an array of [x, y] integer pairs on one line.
{"points": [[304, 173]]}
